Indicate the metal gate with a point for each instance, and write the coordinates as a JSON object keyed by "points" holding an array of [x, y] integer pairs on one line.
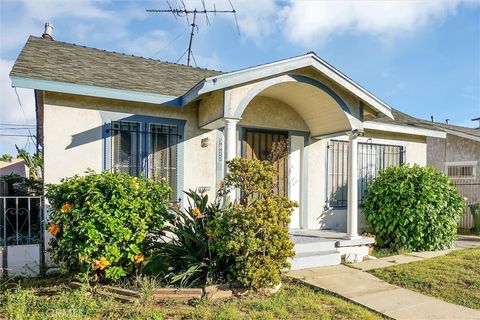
{"points": [[470, 189], [21, 235], [258, 145]]}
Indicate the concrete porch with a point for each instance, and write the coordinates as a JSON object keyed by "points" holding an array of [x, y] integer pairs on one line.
{"points": [[319, 248]]}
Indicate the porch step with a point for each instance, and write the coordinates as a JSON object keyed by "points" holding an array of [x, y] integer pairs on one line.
{"points": [[315, 246], [315, 259]]}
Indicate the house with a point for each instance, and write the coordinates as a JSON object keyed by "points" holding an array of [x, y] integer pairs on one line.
{"points": [[109, 111], [16, 166]]}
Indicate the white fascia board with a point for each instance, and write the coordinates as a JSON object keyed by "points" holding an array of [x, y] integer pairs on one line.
{"points": [[268, 70], [94, 91], [460, 134], [403, 129]]}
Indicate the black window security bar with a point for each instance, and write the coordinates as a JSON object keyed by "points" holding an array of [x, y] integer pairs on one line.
{"points": [[152, 152], [372, 158]]}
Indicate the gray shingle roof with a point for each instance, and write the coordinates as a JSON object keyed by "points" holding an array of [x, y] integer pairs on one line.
{"points": [[64, 62], [406, 120]]}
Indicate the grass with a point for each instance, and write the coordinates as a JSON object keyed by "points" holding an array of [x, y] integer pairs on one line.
{"points": [[453, 278], [54, 300]]}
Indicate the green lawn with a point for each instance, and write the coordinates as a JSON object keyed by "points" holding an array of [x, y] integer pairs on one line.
{"points": [[454, 278], [293, 301]]}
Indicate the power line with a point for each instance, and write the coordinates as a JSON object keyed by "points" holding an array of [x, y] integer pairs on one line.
{"points": [[182, 11]]}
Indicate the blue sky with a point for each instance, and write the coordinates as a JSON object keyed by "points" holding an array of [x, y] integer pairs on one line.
{"points": [[421, 57]]}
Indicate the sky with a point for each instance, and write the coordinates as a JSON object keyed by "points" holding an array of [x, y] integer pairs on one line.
{"points": [[421, 57]]}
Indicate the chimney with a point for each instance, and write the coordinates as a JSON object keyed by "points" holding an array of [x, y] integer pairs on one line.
{"points": [[47, 34], [432, 118]]}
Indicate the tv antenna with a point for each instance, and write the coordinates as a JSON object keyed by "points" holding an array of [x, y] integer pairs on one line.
{"points": [[183, 12]]}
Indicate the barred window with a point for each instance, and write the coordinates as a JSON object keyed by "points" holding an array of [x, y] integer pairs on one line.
{"points": [[152, 152], [126, 147], [461, 171], [371, 159], [163, 154]]}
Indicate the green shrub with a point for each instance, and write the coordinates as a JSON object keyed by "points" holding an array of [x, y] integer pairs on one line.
{"points": [[253, 233], [104, 222], [413, 208], [187, 258]]}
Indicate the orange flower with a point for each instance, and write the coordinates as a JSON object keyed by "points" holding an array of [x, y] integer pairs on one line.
{"points": [[139, 258], [100, 264], [54, 229], [66, 207], [196, 212], [210, 234]]}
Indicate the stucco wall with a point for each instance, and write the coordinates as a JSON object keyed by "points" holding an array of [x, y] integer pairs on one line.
{"points": [[265, 112], [452, 149], [73, 137]]}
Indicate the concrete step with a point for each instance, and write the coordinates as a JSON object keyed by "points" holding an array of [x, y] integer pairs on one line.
{"points": [[315, 259], [314, 246]]}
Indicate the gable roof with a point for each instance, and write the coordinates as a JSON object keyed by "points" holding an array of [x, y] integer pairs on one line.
{"points": [[69, 63], [409, 121], [310, 59]]}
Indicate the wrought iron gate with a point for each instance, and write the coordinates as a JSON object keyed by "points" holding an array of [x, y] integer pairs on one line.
{"points": [[21, 235]]}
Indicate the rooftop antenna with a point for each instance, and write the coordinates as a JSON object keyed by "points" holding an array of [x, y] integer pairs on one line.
{"points": [[182, 11]]}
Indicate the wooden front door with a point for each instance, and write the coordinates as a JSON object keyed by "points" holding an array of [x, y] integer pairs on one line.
{"points": [[258, 144]]}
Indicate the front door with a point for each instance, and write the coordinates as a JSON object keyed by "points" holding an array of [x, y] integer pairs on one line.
{"points": [[271, 146]]}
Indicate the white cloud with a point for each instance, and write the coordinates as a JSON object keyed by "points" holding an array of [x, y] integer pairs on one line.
{"points": [[150, 45], [307, 22]]}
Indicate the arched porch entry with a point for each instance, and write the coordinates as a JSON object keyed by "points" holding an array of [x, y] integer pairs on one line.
{"points": [[324, 112]]}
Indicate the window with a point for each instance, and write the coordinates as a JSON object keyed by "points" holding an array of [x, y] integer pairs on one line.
{"points": [[461, 170], [371, 159], [151, 152], [163, 153], [126, 147]]}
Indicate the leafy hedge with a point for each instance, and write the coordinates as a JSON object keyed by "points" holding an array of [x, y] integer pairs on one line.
{"points": [[253, 233], [102, 222], [413, 208]]}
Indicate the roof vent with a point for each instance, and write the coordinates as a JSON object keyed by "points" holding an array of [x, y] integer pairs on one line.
{"points": [[47, 34], [432, 118]]}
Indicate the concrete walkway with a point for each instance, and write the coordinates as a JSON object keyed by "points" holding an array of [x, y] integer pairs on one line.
{"points": [[378, 295]]}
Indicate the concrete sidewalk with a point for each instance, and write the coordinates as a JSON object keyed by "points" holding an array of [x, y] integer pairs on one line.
{"points": [[378, 295]]}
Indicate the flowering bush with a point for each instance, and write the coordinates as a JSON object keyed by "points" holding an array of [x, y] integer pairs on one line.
{"points": [[413, 208], [103, 222]]}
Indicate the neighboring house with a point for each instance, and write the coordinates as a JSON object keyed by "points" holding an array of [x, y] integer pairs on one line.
{"points": [[16, 166], [109, 111]]}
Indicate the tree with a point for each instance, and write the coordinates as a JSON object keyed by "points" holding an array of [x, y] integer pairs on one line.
{"points": [[6, 157], [34, 163]]}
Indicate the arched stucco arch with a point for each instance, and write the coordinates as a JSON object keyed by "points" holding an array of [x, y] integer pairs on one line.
{"points": [[321, 107]]}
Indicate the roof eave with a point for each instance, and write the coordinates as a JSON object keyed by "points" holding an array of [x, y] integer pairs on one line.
{"points": [[94, 91], [372, 125]]}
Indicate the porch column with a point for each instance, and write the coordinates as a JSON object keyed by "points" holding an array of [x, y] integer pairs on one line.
{"points": [[352, 203], [230, 134]]}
